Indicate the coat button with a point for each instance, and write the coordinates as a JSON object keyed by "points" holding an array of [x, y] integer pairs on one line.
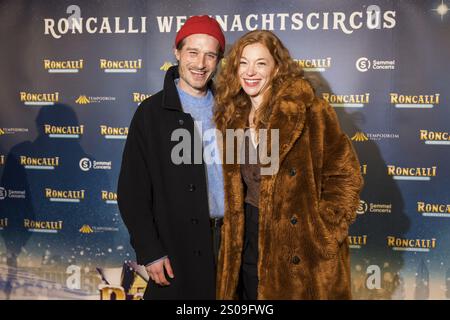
{"points": [[191, 187], [292, 172], [197, 253], [295, 260], [181, 122], [194, 221], [294, 220]]}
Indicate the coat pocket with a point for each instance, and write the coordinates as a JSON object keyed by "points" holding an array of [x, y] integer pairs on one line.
{"points": [[324, 237], [335, 218]]}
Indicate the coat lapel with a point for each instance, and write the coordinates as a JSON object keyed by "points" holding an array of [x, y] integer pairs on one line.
{"points": [[289, 114]]}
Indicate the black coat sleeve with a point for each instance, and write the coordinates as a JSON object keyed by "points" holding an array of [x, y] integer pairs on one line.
{"points": [[134, 194]]}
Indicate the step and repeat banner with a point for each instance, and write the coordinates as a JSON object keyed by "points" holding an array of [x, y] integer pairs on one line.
{"points": [[73, 73]]}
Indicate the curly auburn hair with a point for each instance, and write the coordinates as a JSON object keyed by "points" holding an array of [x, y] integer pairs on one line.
{"points": [[230, 96]]}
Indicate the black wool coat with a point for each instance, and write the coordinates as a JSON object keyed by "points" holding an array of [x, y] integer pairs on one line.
{"points": [[165, 205]]}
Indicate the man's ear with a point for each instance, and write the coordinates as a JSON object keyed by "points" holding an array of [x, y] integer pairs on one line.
{"points": [[176, 53]]}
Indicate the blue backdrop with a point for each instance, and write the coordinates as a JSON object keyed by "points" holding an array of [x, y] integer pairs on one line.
{"points": [[72, 75]]}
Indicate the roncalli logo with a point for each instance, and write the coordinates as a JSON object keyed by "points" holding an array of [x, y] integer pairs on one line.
{"points": [[404, 173], [357, 242], [3, 223], [75, 24], [315, 64], [120, 66], [39, 163], [67, 132], [83, 99], [12, 194], [109, 197], [427, 101], [363, 64], [433, 209], [66, 66], [435, 137], [87, 164], [43, 226], [139, 97], [363, 169], [4, 131], [347, 100], [166, 66], [39, 99], [114, 132], [417, 245], [362, 137], [64, 195], [365, 207], [370, 18]]}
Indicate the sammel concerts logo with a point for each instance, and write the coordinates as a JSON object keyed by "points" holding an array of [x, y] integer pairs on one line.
{"points": [[87, 164], [363, 64], [12, 194], [371, 207]]}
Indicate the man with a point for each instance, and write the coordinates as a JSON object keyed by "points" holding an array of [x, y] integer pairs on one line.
{"points": [[173, 211]]}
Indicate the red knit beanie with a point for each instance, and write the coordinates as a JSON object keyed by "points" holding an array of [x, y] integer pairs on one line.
{"points": [[203, 25]]}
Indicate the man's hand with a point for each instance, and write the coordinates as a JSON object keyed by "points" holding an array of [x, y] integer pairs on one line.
{"points": [[156, 272]]}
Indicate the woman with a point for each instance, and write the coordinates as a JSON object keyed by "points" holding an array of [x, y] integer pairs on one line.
{"points": [[284, 234]]}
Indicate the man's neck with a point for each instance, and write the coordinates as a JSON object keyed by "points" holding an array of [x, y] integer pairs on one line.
{"points": [[198, 93]]}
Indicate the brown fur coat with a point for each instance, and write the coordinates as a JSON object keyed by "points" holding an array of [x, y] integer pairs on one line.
{"points": [[305, 209]]}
